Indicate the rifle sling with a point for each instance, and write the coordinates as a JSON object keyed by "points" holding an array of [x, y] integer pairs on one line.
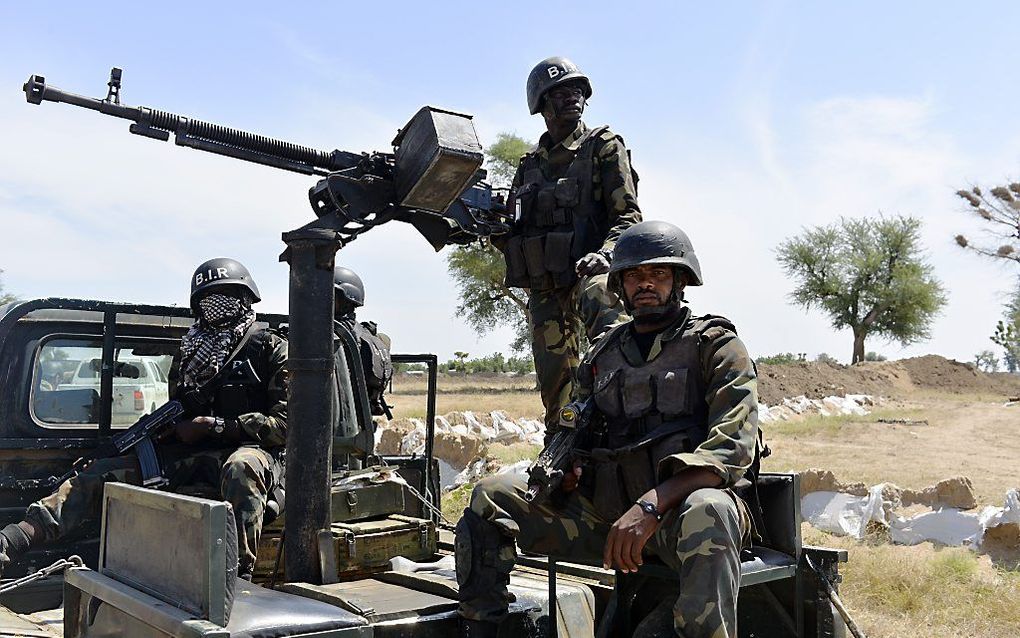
{"points": [[199, 395]]}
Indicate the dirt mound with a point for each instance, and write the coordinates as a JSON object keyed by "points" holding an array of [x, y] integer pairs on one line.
{"points": [[937, 373], [885, 378], [957, 491]]}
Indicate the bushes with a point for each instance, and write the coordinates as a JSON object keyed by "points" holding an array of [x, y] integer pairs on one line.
{"points": [[495, 363]]}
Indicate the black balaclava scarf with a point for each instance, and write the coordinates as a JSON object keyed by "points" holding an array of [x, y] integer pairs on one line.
{"points": [[223, 319]]}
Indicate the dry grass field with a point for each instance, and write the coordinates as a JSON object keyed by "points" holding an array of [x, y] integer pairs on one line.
{"points": [[928, 591]]}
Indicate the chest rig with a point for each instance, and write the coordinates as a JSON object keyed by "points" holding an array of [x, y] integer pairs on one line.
{"points": [[240, 385], [654, 398], [653, 409], [242, 388], [559, 220]]}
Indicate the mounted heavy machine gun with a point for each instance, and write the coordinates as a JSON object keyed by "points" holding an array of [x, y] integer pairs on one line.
{"points": [[433, 179]]}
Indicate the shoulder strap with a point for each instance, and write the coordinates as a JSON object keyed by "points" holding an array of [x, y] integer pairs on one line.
{"points": [[712, 326], [248, 334], [604, 341]]}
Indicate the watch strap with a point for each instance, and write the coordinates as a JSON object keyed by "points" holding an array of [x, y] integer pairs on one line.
{"points": [[649, 508]]}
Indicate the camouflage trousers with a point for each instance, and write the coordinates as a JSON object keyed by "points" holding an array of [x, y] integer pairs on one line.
{"points": [[242, 476], [557, 318], [700, 541]]}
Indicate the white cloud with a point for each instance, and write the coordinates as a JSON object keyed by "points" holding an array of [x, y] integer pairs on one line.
{"points": [[845, 156]]}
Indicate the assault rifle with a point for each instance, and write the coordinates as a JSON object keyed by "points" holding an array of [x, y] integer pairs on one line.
{"points": [[433, 179], [581, 425], [140, 437]]}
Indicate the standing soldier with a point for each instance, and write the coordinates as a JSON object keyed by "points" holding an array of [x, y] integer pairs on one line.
{"points": [[572, 196], [230, 374], [679, 397], [352, 441]]}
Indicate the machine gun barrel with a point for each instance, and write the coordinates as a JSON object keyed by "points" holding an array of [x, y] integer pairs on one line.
{"points": [[199, 134], [433, 178]]}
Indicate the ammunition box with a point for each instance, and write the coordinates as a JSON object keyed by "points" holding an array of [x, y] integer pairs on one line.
{"points": [[437, 154], [365, 494], [369, 545], [361, 547]]}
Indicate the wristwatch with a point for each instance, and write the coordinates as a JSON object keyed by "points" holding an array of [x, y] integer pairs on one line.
{"points": [[649, 508], [219, 426]]}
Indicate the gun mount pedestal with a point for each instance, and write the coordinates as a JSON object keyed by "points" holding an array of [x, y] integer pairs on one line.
{"points": [[311, 252]]}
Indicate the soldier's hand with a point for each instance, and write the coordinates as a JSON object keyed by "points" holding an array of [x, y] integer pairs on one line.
{"points": [[627, 538], [571, 478], [194, 430], [592, 264]]}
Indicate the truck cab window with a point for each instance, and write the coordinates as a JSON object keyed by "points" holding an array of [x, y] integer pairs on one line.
{"points": [[67, 377]]}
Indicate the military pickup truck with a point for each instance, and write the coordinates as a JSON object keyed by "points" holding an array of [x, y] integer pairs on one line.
{"points": [[123, 588]]}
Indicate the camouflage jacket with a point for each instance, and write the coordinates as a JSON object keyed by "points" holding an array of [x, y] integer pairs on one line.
{"points": [[267, 425], [730, 401], [614, 180]]}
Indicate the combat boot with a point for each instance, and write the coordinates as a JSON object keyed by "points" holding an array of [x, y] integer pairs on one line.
{"points": [[14, 542], [478, 629]]}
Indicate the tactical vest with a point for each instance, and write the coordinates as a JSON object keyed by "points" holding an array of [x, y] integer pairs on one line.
{"points": [[652, 411], [238, 388], [559, 221]]}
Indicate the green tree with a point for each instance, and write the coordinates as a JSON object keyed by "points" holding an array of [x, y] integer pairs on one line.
{"points": [[502, 158], [478, 270], [986, 361], [868, 275], [1007, 331], [5, 297], [1000, 209]]}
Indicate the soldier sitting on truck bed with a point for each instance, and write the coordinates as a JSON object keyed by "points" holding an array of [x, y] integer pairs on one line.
{"points": [[679, 397], [352, 441], [232, 438]]}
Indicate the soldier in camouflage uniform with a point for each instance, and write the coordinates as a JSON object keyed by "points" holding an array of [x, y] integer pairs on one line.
{"points": [[352, 442], [679, 398], [231, 441], [572, 196]]}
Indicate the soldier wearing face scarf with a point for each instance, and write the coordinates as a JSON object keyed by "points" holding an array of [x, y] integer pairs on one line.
{"points": [[230, 376]]}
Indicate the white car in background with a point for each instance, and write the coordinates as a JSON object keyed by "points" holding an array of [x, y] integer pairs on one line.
{"points": [[139, 386]]}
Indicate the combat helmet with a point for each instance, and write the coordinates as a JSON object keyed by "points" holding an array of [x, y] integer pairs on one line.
{"points": [[551, 72], [222, 271], [654, 242], [348, 286]]}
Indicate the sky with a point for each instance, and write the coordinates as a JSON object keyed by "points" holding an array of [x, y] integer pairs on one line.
{"points": [[747, 122]]}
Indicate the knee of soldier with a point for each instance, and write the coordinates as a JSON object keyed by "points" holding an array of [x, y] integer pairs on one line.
{"points": [[710, 512], [488, 492], [497, 499], [595, 285], [240, 473]]}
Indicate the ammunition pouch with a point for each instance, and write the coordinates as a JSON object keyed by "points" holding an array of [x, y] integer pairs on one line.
{"points": [[624, 475], [558, 222]]}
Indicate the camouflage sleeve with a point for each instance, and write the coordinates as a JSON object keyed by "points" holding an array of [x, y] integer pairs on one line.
{"points": [[732, 398], [617, 187], [269, 429], [499, 241]]}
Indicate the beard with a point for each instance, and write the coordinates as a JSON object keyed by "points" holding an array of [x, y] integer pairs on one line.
{"points": [[664, 310]]}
